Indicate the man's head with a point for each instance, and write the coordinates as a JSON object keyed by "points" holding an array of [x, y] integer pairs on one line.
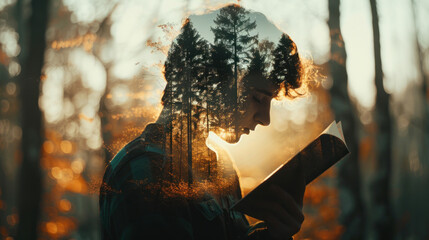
{"points": [[225, 88], [260, 86], [256, 105]]}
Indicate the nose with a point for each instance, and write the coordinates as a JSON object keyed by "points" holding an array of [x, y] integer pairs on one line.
{"points": [[262, 116]]}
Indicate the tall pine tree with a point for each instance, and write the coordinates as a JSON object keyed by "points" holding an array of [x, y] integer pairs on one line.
{"points": [[233, 26], [266, 47], [182, 72], [172, 97], [256, 73], [286, 66], [257, 65], [221, 80]]}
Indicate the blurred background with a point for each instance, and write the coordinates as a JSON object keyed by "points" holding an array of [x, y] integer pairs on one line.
{"points": [[81, 78]]}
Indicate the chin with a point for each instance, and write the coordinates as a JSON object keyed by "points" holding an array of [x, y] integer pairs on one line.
{"points": [[232, 141], [235, 140], [231, 138]]}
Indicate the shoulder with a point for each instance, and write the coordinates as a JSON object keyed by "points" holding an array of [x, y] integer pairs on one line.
{"points": [[138, 161]]}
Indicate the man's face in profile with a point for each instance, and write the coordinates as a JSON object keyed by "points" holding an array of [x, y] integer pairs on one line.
{"points": [[256, 106]]}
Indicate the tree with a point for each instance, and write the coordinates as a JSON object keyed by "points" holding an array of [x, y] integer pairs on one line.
{"points": [[425, 89], [257, 64], [380, 187], [233, 28], [256, 70], [352, 217], [266, 47], [183, 70], [286, 64], [221, 81], [420, 198], [207, 88], [30, 188], [170, 96]]}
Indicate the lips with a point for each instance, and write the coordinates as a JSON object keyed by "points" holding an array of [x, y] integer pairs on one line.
{"points": [[246, 130]]}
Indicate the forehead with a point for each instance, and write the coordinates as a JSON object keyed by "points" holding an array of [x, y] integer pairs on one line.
{"points": [[264, 86]]}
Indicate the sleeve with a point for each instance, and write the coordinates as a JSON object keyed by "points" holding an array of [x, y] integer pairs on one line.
{"points": [[138, 212]]}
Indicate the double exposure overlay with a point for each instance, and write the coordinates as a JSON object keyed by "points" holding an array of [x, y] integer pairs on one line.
{"points": [[196, 102]]}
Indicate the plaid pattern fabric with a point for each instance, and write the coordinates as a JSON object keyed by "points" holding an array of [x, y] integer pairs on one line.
{"points": [[131, 205]]}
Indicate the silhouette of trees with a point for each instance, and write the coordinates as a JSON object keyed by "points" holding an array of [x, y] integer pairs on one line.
{"points": [[201, 94], [255, 72], [221, 80], [257, 65], [233, 27], [266, 47], [286, 64], [201, 89], [184, 69]]}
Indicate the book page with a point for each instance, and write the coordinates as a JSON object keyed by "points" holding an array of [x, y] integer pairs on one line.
{"points": [[335, 129], [319, 155]]}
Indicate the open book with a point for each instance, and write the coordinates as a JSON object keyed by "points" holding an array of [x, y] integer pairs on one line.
{"points": [[323, 152]]}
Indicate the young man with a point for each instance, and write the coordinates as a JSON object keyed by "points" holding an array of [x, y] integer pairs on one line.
{"points": [[167, 184]]}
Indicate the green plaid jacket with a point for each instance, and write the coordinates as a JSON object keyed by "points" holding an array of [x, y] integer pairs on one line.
{"points": [[131, 206]]}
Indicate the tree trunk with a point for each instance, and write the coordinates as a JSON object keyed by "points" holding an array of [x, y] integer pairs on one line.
{"points": [[30, 185], [181, 144], [189, 126], [352, 215], [235, 104], [425, 93], [417, 198], [380, 188], [4, 76], [170, 131], [208, 132]]}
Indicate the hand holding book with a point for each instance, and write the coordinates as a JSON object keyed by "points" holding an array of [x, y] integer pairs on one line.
{"points": [[280, 195], [280, 209]]}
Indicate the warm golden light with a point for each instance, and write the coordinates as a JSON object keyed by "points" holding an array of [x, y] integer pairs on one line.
{"points": [[61, 228], [86, 118], [77, 166], [66, 146], [87, 41], [64, 205], [56, 173], [48, 147], [67, 175], [77, 185], [51, 227]]}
